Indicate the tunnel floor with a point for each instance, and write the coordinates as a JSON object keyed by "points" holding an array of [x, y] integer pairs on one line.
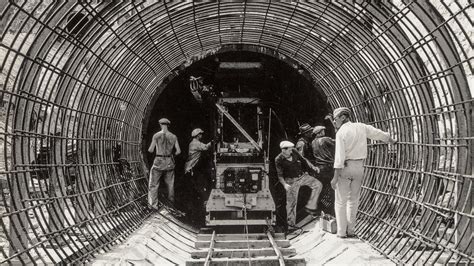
{"points": [[164, 240]]}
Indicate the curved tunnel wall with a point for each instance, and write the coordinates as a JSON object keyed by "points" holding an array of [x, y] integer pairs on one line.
{"points": [[75, 93]]}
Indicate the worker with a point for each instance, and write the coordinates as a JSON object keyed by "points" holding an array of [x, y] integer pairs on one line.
{"points": [[195, 167], [350, 153], [292, 171], [303, 145], [323, 153], [162, 145]]}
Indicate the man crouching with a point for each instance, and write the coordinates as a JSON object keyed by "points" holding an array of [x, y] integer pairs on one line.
{"points": [[292, 170]]}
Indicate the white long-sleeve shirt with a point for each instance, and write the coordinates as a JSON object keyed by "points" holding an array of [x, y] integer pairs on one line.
{"points": [[195, 149], [351, 141]]}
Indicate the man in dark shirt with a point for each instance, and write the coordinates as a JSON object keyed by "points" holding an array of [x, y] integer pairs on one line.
{"points": [[303, 145], [292, 170], [323, 151]]}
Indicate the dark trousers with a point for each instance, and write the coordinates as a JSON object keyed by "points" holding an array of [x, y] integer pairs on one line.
{"points": [[199, 184], [327, 193], [199, 191]]}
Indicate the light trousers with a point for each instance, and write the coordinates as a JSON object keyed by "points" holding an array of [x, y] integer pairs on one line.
{"points": [[292, 195], [348, 196], [154, 185]]}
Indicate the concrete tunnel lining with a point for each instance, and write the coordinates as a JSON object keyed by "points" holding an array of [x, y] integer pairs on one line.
{"points": [[403, 66]]}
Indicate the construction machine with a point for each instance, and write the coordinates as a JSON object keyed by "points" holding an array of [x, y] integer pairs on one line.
{"points": [[241, 195]]}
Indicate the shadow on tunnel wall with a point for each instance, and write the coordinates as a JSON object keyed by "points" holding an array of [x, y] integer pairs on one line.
{"points": [[79, 77]]}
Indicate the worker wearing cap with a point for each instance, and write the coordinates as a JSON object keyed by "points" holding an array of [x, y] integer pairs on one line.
{"points": [[350, 153], [162, 145], [323, 153], [195, 166], [292, 171], [303, 145]]}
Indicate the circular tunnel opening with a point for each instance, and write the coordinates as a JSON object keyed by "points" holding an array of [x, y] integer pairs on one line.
{"points": [[281, 86], [90, 68]]}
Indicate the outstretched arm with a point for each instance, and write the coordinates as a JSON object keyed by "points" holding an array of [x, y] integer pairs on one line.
{"points": [[176, 146], [279, 170], [309, 165], [152, 145], [300, 147], [339, 158], [377, 134], [335, 179]]}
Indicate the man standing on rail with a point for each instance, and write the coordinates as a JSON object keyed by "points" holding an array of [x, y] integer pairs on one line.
{"points": [[323, 153], [350, 153], [292, 171], [162, 145], [303, 145]]}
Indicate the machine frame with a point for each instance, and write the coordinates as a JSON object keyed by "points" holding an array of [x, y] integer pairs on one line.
{"points": [[241, 195]]}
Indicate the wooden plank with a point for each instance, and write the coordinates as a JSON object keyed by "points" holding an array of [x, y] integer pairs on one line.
{"points": [[242, 253], [243, 244], [207, 237], [236, 222], [253, 261]]}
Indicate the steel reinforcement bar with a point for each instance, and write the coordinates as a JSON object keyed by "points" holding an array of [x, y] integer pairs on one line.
{"points": [[78, 79]]}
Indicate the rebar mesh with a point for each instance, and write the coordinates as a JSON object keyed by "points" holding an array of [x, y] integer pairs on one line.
{"points": [[78, 77]]}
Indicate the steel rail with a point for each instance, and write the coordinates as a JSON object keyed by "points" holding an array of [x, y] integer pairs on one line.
{"points": [[208, 259], [277, 250]]}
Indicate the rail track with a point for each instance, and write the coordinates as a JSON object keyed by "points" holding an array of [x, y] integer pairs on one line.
{"points": [[241, 249]]}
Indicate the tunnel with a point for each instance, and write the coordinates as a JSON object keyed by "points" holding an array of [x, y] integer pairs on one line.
{"points": [[83, 84]]}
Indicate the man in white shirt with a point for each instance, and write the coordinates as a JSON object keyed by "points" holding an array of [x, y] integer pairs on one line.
{"points": [[351, 151]]}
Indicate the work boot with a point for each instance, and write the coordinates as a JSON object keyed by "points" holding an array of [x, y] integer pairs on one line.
{"points": [[314, 213]]}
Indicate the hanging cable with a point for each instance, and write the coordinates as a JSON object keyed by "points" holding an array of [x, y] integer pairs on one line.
{"points": [[246, 226]]}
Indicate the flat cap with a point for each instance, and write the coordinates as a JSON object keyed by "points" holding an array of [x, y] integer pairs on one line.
{"points": [[341, 111], [286, 144], [164, 121], [196, 132], [318, 129], [305, 128]]}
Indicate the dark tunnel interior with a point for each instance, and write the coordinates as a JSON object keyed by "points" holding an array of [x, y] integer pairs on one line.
{"points": [[83, 84], [279, 85]]}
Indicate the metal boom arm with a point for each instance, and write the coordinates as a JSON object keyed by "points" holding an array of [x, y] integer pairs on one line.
{"points": [[224, 111]]}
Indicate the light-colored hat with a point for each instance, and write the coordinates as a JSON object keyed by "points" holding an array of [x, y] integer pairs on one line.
{"points": [[341, 111], [318, 129], [304, 128], [286, 144], [196, 132], [164, 121]]}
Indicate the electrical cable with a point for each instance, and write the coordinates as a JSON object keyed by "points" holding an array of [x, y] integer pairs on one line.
{"points": [[246, 226]]}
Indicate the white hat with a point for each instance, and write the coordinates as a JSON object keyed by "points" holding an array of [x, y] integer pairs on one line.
{"points": [[286, 144], [342, 111], [318, 129], [164, 121], [196, 132]]}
